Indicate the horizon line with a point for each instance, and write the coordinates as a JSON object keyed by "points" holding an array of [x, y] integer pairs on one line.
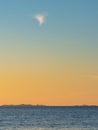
{"points": [[42, 105]]}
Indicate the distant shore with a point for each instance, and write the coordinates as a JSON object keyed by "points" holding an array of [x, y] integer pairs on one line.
{"points": [[30, 105]]}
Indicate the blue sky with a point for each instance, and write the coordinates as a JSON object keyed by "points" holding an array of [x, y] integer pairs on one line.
{"points": [[73, 19], [70, 29]]}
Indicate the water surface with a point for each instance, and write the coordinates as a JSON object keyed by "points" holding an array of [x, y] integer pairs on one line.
{"points": [[48, 118]]}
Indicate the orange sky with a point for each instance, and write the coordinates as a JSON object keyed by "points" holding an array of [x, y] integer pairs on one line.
{"points": [[53, 83]]}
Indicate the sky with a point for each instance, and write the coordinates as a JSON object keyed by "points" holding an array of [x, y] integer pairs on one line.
{"points": [[49, 52]]}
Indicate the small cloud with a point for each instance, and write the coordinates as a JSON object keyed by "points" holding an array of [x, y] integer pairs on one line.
{"points": [[40, 18], [93, 77]]}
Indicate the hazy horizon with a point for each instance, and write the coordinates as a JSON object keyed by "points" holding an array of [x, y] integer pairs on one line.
{"points": [[45, 105]]}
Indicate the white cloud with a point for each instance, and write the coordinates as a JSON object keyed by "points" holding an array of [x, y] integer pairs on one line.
{"points": [[40, 18], [93, 76]]}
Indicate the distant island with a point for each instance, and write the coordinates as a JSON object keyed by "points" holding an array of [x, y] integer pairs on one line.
{"points": [[38, 105], [23, 105]]}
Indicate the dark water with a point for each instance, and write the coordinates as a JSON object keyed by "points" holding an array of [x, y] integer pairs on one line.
{"points": [[48, 118]]}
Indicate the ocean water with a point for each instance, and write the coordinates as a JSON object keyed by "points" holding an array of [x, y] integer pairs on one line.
{"points": [[48, 118]]}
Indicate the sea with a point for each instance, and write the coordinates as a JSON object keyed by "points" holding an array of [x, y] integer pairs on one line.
{"points": [[48, 118]]}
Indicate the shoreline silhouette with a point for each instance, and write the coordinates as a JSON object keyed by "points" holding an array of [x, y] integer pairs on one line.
{"points": [[38, 105]]}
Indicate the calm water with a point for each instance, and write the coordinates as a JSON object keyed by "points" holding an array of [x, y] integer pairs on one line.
{"points": [[48, 118]]}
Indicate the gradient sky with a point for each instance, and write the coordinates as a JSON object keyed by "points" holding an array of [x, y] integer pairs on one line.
{"points": [[49, 52]]}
